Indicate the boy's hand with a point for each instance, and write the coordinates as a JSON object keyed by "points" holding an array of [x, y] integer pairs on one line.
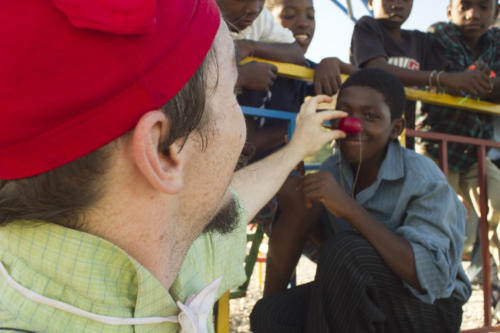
{"points": [[256, 76], [245, 48], [475, 83], [310, 135], [321, 186], [327, 77]]}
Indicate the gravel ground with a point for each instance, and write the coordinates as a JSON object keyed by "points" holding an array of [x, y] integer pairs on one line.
{"points": [[241, 308]]}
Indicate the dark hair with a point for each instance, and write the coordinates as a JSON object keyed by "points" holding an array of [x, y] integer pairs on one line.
{"points": [[382, 81], [63, 195]]}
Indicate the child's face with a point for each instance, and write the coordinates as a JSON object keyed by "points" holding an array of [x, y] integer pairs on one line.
{"points": [[298, 16], [369, 106], [240, 13], [473, 17], [392, 13]]}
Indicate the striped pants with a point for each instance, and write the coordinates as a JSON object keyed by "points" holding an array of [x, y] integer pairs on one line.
{"points": [[353, 291]]}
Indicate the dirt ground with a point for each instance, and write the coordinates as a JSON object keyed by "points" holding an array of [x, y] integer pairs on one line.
{"points": [[241, 308]]}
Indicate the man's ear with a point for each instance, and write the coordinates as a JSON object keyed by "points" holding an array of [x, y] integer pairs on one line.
{"points": [[448, 11], [397, 127], [163, 170]]}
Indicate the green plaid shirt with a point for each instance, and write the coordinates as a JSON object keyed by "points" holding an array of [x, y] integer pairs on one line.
{"points": [[455, 121], [97, 276]]}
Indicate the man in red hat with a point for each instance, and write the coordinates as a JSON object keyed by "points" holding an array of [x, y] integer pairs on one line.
{"points": [[119, 134]]}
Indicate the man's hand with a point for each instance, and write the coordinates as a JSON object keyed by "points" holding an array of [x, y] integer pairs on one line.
{"points": [[256, 76], [310, 135], [321, 186], [327, 77]]}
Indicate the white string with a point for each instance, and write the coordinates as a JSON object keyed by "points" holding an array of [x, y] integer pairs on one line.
{"points": [[341, 173], [82, 313]]}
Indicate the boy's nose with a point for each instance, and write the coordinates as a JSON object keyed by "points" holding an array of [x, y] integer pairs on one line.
{"points": [[472, 13], [303, 21], [254, 7]]}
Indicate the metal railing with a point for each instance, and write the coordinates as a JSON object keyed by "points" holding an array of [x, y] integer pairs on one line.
{"points": [[306, 74]]}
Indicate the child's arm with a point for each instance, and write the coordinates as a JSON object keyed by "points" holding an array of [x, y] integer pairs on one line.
{"points": [[394, 249], [474, 83], [284, 52], [327, 75]]}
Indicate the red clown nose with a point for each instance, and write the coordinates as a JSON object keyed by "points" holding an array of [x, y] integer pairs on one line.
{"points": [[350, 125]]}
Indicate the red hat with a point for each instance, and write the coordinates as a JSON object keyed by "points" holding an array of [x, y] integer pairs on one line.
{"points": [[77, 74]]}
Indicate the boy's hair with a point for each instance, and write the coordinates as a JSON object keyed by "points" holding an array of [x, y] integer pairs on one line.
{"points": [[383, 82]]}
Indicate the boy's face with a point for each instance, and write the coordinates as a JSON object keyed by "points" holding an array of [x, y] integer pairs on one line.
{"points": [[298, 16], [240, 13], [369, 106], [392, 13], [473, 17]]}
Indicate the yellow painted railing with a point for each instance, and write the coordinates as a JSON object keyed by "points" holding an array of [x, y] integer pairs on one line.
{"points": [[306, 74]]}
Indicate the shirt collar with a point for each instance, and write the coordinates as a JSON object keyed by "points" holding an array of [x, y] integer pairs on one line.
{"points": [[106, 280]]}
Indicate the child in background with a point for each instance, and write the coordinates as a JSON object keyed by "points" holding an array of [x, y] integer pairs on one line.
{"points": [[469, 44], [257, 34], [393, 260], [410, 55], [287, 94]]}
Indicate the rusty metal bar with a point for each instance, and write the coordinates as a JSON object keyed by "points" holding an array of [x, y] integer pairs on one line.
{"points": [[481, 144], [485, 253]]}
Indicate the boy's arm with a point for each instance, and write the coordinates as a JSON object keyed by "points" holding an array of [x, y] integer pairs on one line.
{"points": [[283, 52], [494, 96], [396, 251], [474, 83], [327, 75], [259, 181]]}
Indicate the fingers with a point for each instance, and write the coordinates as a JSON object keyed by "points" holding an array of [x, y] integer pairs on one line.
{"points": [[311, 105], [327, 86], [330, 114]]}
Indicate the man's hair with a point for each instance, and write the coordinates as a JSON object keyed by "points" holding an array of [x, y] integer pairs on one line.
{"points": [[64, 195], [382, 81]]}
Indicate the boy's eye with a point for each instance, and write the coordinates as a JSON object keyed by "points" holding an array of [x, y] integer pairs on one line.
{"points": [[371, 116]]}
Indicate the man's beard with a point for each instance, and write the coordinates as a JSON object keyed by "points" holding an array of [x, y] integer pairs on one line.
{"points": [[226, 219]]}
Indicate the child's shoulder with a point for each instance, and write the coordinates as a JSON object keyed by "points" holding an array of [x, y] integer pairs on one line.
{"points": [[418, 165], [368, 21]]}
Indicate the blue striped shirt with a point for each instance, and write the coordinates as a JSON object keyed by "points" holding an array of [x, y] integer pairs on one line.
{"points": [[412, 197]]}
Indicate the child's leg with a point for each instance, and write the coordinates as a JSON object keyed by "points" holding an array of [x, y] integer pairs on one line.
{"points": [[288, 237], [355, 291]]}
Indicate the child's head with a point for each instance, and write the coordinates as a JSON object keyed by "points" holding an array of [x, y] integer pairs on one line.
{"points": [[473, 17], [296, 15], [240, 14], [377, 99], [392, 13]]}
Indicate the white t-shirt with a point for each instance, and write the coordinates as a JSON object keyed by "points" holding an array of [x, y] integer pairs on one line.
{"points": [[265, 29]]}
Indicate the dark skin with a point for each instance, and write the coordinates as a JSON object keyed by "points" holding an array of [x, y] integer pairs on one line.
{"points": [[474, 17], [392, 14], [369, 106], [298, 16], [322, 190], [239, 15]]}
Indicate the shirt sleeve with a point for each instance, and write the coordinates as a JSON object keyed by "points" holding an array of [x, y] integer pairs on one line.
{"points": [[271, 31], [435, 227], [367, 41]]}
